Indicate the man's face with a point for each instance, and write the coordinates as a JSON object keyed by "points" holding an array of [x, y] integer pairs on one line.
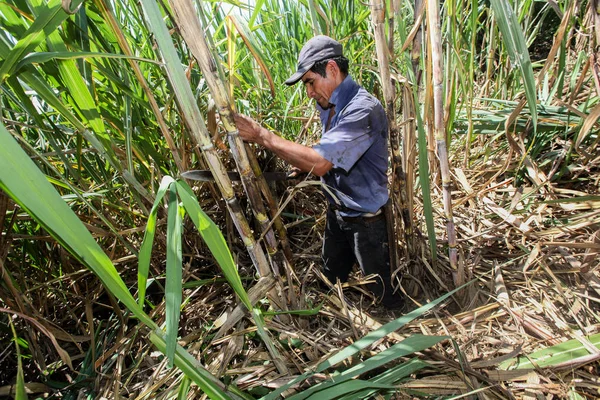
{"points": [[318, 87]]}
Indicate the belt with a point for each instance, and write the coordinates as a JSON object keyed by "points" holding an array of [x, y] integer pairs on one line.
{"points": [[363, 217], [370, 215]]}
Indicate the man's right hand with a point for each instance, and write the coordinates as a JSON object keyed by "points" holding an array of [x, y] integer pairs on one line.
{"points": [[248, 128]]}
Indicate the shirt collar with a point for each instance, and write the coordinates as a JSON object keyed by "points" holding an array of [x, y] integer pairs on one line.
{"points": [[342, 94]]}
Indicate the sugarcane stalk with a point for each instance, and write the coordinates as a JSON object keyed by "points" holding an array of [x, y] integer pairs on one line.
{"points": [[416, 131], [199, 134], [272, 206], [433, 25], [415, 54], [250, 172], [193, 34], [398, 184], [409, 147], [410, 109], [471, 84]]}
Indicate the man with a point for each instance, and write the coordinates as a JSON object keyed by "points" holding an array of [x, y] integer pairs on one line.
{"points": [[351, 159]]}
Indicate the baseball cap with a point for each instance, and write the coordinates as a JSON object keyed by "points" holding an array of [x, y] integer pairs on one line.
{"points": [[316, 49]]}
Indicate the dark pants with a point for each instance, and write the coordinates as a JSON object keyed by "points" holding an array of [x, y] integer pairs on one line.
{"points": [[362, 240]]}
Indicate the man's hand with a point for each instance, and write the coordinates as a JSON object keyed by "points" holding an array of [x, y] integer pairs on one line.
{"points": [[249, 129], [296, 173], [302, 157]]}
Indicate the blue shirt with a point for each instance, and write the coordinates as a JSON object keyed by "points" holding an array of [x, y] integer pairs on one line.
{"points": [[356, 145]]}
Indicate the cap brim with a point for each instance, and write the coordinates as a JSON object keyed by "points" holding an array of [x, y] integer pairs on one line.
{"points": [[292, 80]]}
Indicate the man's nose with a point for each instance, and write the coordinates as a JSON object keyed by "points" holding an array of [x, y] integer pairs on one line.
{"points": [[310, 92]]}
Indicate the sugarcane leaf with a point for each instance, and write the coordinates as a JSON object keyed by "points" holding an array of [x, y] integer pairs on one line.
{"points": [[389, 376], [306, 312], [42, 57], [184, 388], [29, 188], [317, 24], [261, 329], [146, 247], [553, 355], [174, 266], [409, 345], [516, 46], [576, 199], [588, 123], [214, 239], [254, 48], [83, 100], [192, 369], [20, 392], [362, 343], [348, 388], [177, 78], [50, 16], [257, 7], [424, 181]]}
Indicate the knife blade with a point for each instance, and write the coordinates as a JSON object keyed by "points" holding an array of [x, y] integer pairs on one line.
{"points": [[206, 175]]}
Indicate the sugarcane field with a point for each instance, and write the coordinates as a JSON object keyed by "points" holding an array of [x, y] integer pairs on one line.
{"points": [[309, 199]]}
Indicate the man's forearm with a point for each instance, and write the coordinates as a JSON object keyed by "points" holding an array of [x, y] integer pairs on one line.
{"points": [[299, 156]]}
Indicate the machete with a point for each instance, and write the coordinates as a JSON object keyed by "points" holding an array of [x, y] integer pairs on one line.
{"points": [[206, 176]]}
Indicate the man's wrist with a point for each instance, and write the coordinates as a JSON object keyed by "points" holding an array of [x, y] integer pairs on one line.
{"points": [[263, 136]]}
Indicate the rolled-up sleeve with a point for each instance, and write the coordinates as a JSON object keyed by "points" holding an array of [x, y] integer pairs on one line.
{"points": [[348, 140]]}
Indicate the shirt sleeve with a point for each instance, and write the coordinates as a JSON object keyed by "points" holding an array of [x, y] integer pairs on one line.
{"points": [[350, 138]]}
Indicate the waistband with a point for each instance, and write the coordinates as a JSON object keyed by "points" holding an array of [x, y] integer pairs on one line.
{"points": [[363, 217]]}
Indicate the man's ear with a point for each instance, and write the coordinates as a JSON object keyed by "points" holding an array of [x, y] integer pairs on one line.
{"points": [[332, 68]]}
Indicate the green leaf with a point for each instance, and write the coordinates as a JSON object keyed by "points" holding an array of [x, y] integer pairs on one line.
{"points": [[254, 48], [174, 266], [146, 248], [257, 7], [409, 345], [364, 342], [184, 388], [214, 239], [42, 57], [516, 46], [306, 312], [347, 388], [83, 100], [425, 184], [20, 392], [210, 385], [261, 329], [553, 355], [389, 376], [50, 16], [29, 188]]}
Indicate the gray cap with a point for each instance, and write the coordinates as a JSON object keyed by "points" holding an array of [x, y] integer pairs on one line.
{"points": [[316, 49]]}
